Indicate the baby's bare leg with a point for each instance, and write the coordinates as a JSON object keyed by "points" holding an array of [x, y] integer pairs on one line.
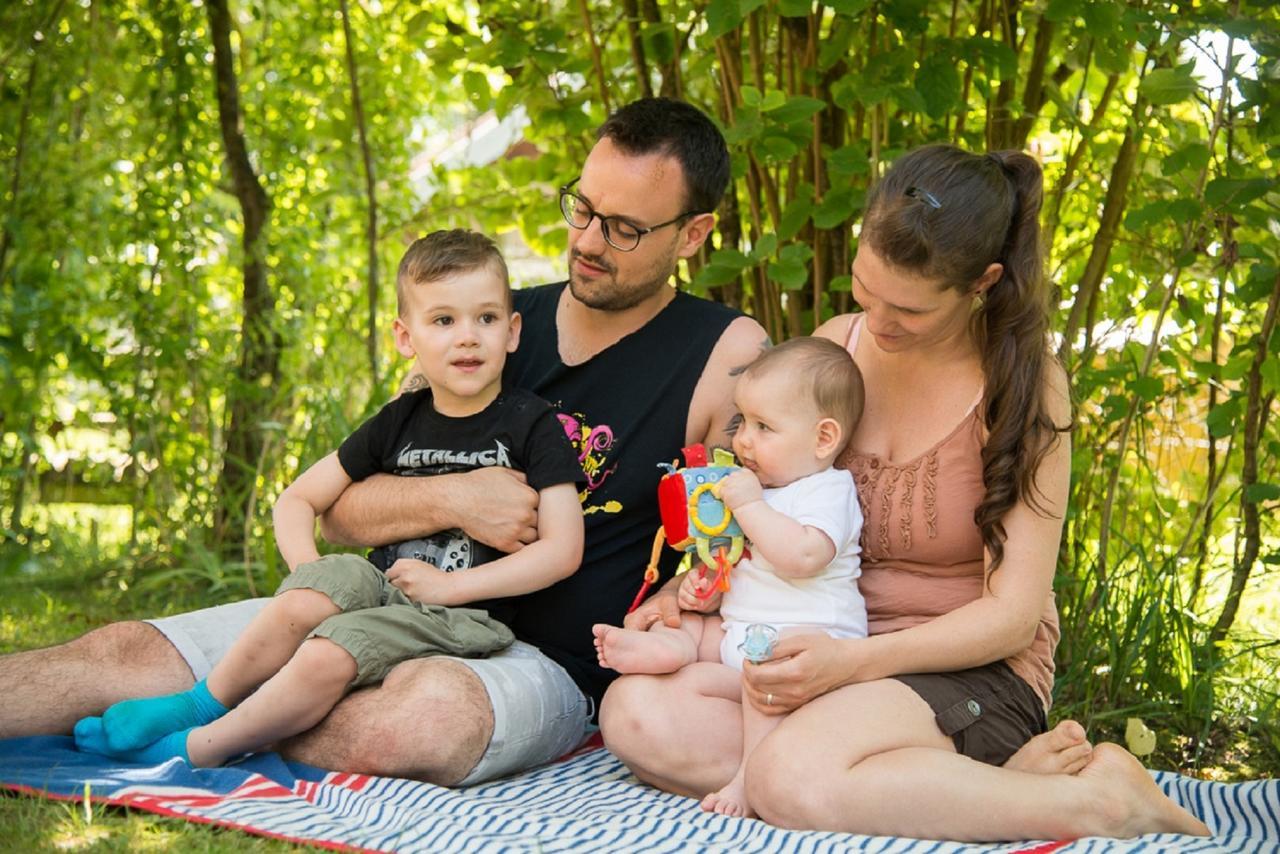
{"points": [[660, 649]]}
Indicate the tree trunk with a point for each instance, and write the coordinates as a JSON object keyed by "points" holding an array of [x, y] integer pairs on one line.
{"points": [[1255, 420], [259, 341], [370, 183]]}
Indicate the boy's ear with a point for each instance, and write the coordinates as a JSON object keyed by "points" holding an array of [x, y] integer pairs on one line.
{"points": [[514, 341], [403, 344], [830, 437]]}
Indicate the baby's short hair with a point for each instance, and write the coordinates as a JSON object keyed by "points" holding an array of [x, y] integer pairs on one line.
{"points": [[443, 253], [822, 369]]}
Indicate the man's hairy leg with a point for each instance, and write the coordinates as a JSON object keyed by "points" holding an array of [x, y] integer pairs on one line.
{"points": [[47, 690], [429, 720]]}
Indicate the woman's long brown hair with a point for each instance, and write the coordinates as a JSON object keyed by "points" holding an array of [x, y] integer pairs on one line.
{"points": [[945, 214]]}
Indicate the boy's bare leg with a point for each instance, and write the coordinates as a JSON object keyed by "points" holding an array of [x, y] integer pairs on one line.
{"points": [[268, 642], [295, 699], [47, 690], [661, 648]]}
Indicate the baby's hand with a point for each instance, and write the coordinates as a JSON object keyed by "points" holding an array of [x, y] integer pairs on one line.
{"points": [[692, 595], [422, 582], [740, 489]]}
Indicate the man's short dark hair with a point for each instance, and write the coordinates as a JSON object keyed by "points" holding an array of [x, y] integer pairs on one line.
{"points": [[671, 127], [443, 253]]}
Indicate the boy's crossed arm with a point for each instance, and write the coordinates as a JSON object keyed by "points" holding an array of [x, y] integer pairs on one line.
{"points": [[312, 493], [556, 554]]}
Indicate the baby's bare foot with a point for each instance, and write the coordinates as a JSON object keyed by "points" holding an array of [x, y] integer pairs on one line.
{"points": [[1062, 750], [1129, 801], [731, 800], [631, 651]]}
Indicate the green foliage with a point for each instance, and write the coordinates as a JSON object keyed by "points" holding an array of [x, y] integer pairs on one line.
{"points": [[121, 289]]}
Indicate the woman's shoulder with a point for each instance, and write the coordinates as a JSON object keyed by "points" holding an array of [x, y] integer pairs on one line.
{"points": [[837, 328]]}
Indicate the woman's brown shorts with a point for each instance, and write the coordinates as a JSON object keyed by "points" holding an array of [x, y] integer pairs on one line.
{"points": [[988, 711]]}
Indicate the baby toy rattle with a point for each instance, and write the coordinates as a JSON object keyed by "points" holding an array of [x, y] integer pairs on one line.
{"points": [[696, 521]]}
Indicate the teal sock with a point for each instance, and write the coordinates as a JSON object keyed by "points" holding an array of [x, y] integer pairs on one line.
{"points": [[91, 738], [134, 724], [160, 752]]}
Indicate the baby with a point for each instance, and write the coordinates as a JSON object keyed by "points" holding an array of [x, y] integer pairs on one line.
{"points": [[799, 404]]}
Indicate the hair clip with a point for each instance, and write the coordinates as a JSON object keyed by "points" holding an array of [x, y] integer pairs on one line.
{"points": [[924, 196]]}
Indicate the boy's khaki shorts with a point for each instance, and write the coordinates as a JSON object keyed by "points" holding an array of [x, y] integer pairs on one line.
{"points": [[381, 627]]}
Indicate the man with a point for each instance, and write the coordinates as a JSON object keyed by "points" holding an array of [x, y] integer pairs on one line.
{"points": [[636, 370]]}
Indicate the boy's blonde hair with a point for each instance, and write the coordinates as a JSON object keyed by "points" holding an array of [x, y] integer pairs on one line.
{"points": [[822, 369], [443, 253]]}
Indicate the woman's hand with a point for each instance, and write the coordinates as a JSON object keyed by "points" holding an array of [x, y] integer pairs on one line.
{"points": [[802, 667], [422, 582]]}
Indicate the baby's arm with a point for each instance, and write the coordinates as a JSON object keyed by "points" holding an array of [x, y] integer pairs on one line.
{"points": [[555, 555], [307, 497], [795, 550]]}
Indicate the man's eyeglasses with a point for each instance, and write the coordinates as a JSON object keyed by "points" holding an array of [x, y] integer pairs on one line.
{"points": [[618, 232]]}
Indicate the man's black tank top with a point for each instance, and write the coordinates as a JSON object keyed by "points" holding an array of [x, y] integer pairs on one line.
{"points": [[625, 411]]}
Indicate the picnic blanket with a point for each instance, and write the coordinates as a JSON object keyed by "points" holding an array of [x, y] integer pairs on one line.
{"points": [[587, 802]]}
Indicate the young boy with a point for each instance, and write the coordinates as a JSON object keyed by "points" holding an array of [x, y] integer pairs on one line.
{"points": [[799, 403], [338, 622]]}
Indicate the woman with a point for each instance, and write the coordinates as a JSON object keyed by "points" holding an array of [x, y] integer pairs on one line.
{"points": [[934, 726]]}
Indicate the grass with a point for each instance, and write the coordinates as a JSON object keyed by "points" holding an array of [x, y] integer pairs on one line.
{"points": [[48, 605]]}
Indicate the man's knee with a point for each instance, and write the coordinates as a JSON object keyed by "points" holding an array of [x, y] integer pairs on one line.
{"points": [[430, 720], [132, 644]]}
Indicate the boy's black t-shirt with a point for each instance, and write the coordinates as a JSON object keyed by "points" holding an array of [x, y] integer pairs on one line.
{"points": [[408, 437]]}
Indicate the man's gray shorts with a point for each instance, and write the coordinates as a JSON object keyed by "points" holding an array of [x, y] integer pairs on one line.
{"points": [[538, 712]]}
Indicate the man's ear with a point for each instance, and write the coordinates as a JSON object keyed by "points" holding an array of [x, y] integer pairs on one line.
{"points": [[989, 277], [830, 437], [696, 232], [403, 343], [513, 341]]}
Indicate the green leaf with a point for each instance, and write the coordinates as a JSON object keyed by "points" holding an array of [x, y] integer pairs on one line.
{"points": [[730, 258], [722, 17], [1221, 420], [776, 147], [765, 246], [797, 213], [1147, 388], [840, 284], [797, 253], [794, 8], [1169, 85], [659, 41], [1193, 156], [792, 274], [796, 109], [715, 275], [750, 96], [910, 16], [1256, 493], [848, 161], [849, 7], [838, 207], [1062, 10], [1235, 192], [938, 82]]}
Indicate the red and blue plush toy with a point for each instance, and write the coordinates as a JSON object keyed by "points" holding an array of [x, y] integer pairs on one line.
{"points": [[696, 521]]}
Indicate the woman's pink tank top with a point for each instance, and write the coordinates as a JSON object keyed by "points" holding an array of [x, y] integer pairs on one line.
{"points": [[922, 554]]}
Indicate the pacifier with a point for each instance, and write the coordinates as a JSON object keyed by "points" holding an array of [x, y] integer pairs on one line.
{"points": [[757, 645]]}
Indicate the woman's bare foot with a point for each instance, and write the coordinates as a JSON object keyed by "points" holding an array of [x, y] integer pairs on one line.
{"points": [[1062, 750], [1130, 803], [731, 800], [659, 650]]}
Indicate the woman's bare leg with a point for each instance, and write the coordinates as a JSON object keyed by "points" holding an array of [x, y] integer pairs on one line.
{"points": [[680, 732], [870, 759]]}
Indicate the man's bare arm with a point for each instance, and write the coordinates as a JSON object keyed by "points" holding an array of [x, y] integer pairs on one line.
{"points": [[493, 505], [712, 415]]}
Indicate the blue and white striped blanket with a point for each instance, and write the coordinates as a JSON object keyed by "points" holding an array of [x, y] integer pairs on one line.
{"points": [[586, 803]]}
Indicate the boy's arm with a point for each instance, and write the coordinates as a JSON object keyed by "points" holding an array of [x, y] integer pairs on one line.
{"points": [[794, 549], [555, 555], [295, 514]]}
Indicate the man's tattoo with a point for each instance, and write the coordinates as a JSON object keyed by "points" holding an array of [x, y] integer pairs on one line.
{"points": [[735, 422], [764, 345], [414, 383]]}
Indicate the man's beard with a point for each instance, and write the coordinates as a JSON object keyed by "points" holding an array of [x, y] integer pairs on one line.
{"points": [[612, 296]]}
